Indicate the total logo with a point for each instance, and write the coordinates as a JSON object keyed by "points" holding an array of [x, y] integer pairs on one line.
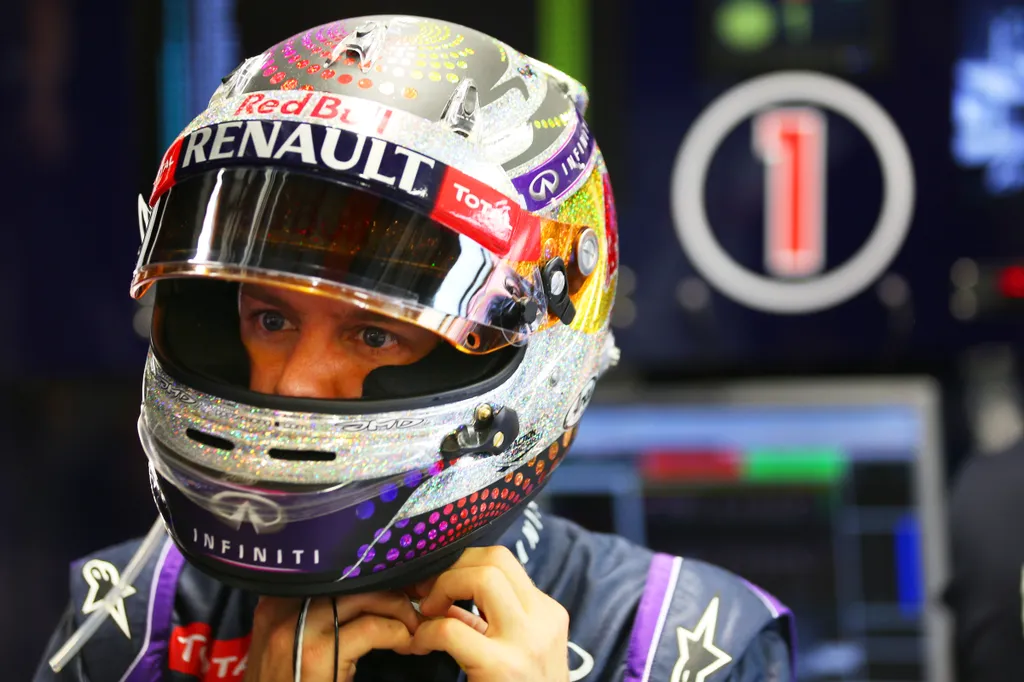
{"points": [[787, 112], [465, 196]]}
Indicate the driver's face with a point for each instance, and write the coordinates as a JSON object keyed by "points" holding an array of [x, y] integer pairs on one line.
{"points": [[308, 346]]}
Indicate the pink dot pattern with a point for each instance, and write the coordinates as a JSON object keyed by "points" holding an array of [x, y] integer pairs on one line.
{"points": [[416, 537]]}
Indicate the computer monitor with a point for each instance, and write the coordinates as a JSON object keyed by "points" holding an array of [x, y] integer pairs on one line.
{"points": [[829, 494]]}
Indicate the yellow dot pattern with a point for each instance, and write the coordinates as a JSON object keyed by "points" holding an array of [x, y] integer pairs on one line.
{"points": [[554, 122], [434, 37]]}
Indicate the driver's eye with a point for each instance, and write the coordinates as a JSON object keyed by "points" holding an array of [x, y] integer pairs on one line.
{"points": [[272, 321]]}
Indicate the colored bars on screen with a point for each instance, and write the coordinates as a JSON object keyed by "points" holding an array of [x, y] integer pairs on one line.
{"points": [[907, 535], [799, 465], [818, 466]]}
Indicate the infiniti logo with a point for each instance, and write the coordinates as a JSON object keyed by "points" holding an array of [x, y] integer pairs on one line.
{"points": [[235, 508], [545, 185]]}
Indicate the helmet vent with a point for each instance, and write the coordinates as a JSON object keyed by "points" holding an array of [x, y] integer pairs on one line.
{"points": [[210, 440], [302, 455], [366, 43]]}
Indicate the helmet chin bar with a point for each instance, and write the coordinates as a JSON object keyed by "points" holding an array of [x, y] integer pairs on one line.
{"points": [[332, 584]]}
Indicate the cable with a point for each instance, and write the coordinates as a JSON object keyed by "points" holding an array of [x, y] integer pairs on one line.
{"points": [[84, 633], [337, 627], [300, 628]]}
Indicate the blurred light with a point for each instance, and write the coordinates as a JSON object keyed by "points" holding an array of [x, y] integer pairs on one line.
{"points": [[693, 294], [1011, 282], [624, 313], [964, 274], [893, 291], [142, 320], [987, 94], [999, 423], [834, 659], [964, 305], [746, 25], [798, 20], [627, 281]]}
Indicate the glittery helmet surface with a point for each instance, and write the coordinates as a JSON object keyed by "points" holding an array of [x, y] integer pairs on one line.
{"points": [[491, 224]]}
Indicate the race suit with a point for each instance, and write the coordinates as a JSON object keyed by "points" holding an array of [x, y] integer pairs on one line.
{"points": [[635, 615]]}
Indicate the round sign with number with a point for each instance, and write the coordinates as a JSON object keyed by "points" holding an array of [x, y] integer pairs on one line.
{"points": [[789, 137]]}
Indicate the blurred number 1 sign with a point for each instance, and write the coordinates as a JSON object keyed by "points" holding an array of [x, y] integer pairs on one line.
{"points": [[791, 142]]}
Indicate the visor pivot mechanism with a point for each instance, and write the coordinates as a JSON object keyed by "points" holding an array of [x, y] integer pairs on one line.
{"points": [[586, 254], [588, 251], [493, 429], [556, 286], [516, 313]]}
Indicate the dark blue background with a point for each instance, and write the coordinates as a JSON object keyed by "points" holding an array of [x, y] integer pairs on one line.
{"points": [[669, 84]]}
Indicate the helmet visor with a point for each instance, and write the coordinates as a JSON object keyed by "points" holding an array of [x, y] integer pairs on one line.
{"points": [[269, 225]]}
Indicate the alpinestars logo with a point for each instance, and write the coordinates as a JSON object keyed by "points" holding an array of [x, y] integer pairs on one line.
{"points": [[699, 657], [102, 577]]}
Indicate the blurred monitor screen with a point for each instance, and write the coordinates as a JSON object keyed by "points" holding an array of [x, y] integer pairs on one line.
{"points": [[828, 496]]}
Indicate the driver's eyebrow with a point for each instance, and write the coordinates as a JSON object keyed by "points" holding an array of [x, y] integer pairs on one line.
{"points": [[356, 314], [365, 316], [265, 296]]}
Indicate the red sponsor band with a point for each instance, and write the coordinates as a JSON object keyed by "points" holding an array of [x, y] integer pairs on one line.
{"points": [[487, 216], [165, 175], [192, 652]]}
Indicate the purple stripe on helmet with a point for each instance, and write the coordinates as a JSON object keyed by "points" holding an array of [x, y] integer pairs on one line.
{"points": [[647, 625], [149, 666], [779, 610], [552, 179]]}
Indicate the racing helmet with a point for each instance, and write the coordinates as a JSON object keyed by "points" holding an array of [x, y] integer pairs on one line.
{"points": [[418, 170]]}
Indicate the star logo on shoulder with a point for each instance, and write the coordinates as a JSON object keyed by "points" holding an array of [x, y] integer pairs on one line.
{"points": [[699, 658], [103, 576]]}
